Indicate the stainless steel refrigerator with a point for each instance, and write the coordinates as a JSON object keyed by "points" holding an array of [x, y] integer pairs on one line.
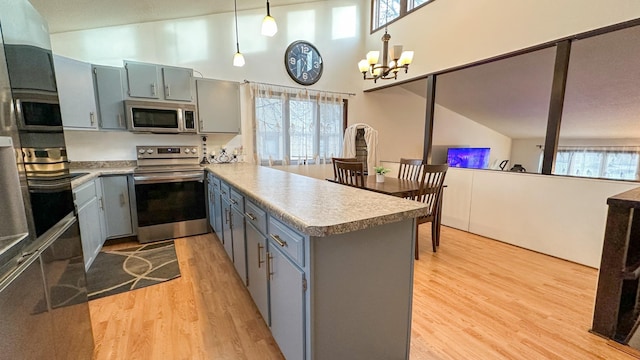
{"points": [[44, 312]]}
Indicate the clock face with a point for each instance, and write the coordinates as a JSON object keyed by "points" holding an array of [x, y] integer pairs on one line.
{"points": [[303, 62]]}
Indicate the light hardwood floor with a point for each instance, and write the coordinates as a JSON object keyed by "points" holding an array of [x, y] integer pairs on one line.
{"points": [[475, 298]]}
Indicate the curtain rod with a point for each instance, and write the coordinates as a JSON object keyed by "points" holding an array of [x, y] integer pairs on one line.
{"points": [[299, 88]]}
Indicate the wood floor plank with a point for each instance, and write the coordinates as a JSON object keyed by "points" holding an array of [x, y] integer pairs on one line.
{"points": [[475, 298]]}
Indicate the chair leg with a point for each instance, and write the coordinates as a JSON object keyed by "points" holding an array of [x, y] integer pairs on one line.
{"points": [[417, 251], [434, 234]]}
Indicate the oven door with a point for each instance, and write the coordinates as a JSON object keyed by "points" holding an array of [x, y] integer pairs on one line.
{"points": [[170, 205], [51, 200]]}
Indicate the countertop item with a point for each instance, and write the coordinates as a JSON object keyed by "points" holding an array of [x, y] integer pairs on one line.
{"points": [[312, 206]]}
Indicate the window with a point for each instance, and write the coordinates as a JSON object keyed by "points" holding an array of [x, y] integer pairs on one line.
{"points": [[386, 11], [609, 163], [297, 128]]}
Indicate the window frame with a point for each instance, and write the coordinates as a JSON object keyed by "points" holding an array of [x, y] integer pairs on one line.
{"points": [[286, 127], [404, 11]]}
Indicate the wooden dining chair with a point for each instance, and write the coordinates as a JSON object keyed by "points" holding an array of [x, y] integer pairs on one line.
{"points": [[333, 161], [350, 172], [430, 193], [410, 169]]}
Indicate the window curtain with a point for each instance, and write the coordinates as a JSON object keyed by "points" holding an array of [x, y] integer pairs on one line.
{"points": [[614, 162], [294, 126]]}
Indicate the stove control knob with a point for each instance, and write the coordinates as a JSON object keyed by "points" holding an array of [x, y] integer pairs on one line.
{"points": [[186, 151], [194, 150], [141, 151], [149, 151]]}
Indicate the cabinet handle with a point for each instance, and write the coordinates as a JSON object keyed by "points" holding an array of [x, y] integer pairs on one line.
{"points": [[92, 118], [251, 216], [277, 239], [269, 266], [260, 261], [101, 204], [201, 124], [234, 202], [226, 216], [122, 200], [153, 89], [120, 120], [168, 91]]}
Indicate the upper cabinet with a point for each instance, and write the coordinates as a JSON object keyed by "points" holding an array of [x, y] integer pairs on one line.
{"points": [[108, 83], [143, 81], [218, 106], [75, 93], [31, 68]]}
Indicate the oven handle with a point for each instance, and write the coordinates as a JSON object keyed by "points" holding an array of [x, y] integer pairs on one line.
{"points": [[159, 178]]}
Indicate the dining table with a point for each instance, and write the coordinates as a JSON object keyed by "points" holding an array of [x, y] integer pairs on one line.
{"points": [[390, 186]]}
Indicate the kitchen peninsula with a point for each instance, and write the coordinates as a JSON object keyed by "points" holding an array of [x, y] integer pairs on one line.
{"points": [[351, 250]]}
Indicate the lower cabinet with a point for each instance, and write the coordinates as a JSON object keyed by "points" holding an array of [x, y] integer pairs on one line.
{"points": [[287, 287], [239, 248], [115, 190], [89, 217], [227, 239], [257, 270]]}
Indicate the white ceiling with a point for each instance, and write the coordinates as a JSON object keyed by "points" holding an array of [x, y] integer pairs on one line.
{"points": [[69, 15], [511, 96]]}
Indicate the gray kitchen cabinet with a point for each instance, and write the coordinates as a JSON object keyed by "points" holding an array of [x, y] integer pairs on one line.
{"points": [[287, 286], [143, 81], [212, 201], [117, 210], [31, 67], [239, 245], [108, 85], [177, 83], [76, 93], [215, 205], [257, 269], [227, 239], [88, 209], [218, 106]]}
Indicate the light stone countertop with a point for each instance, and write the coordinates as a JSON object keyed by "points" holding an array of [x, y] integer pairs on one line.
{"points": [[313, 206], [93, 173]]}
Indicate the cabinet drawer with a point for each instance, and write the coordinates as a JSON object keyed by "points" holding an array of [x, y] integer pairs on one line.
{"points": [[84, 193], [288, 240], [237, 200], [224, 190], [256, 216]]}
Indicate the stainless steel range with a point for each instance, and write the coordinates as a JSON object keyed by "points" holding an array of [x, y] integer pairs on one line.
{"points": [[169, 193]]}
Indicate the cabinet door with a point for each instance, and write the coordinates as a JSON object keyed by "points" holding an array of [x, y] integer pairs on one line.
{"points": [[226, 228], [218, 106], [75, 93], [177, 83], [142, 80], [257, 270], [239, 247], [286, 291], [116, 204], [109, 95], [103, 215], [30, 67], [219, 219], [212, 205], [89, 219]]}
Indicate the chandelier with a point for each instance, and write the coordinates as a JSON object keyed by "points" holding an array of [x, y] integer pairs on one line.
{"points": [[392, 61]]}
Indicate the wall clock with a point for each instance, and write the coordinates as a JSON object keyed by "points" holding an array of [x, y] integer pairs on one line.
{"points": [[303, 62]]}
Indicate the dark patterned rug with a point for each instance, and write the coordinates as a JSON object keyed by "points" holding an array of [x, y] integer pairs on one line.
{"points": [[117, 271]]}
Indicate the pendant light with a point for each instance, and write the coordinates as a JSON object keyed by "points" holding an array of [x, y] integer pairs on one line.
{"points": [[238, 59], [269, 26]]}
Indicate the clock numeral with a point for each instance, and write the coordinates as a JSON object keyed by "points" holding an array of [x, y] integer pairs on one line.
{"points": [[305, 76], [316, 64], [292, 60], [305, 49]]}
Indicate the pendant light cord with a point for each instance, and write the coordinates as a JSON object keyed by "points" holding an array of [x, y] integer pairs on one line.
{"points": [[235, 11]]}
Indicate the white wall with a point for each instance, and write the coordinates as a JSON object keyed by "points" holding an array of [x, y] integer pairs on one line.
{"points": [[526, 152], [450, 128]]}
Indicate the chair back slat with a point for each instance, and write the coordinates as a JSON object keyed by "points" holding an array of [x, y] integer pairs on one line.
{"points": [[349, 172], [333, 161], [410, 169], [431, 183]]}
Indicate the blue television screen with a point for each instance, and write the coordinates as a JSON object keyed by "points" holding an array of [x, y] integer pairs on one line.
{"points": [[472, 158]]}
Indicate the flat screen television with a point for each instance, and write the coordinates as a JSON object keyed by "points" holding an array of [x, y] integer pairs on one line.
{"points": [[471, 158]]}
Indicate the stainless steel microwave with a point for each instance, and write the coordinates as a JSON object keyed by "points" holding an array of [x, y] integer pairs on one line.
{"points": [[37, 111], [160, 117]]}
